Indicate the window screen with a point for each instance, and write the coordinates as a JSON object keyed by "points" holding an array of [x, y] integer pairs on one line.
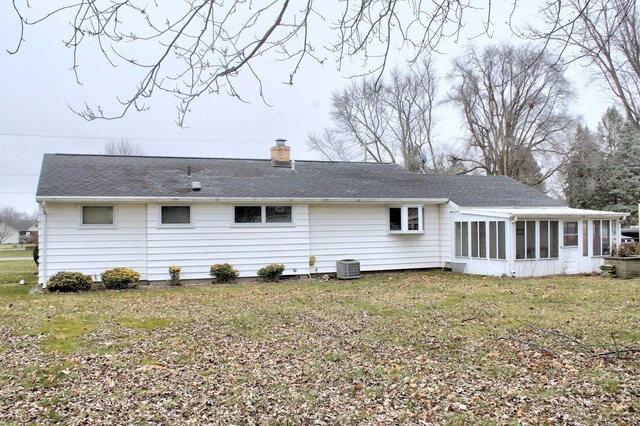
{"points": [[97, 215], [585, 238], [544, 239], [176, 215], [278, 214], [248, 214]]}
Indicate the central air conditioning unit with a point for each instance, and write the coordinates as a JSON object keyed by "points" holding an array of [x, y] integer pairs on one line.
{"points": [[347, 269]]}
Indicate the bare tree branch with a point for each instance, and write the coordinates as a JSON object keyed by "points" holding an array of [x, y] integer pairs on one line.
{"points": [[513, 100]]}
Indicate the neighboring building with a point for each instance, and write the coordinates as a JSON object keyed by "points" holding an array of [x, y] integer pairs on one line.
{"points": [[27, 231], [147, 213]]}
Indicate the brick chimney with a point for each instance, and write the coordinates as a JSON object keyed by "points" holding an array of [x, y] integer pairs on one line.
{"points": [[281, 154]]}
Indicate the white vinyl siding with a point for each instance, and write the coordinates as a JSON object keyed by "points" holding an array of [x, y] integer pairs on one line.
{"points": [[214, 238], [361, 232], [71, 246]]}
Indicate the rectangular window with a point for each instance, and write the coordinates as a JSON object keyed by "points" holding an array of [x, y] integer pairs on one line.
{"points": [[549, 239], [531, 239], [502, 238], [493, 240], [405, 219], [248, 214], [525, 239], [597, 241], [175, 215], [262, 214], [413, 219], [97, 215], [554, 238], [278, 214], [474, 239], [570, 234], [462, 239], [544, 239], [458, 226], [585, 238], [606, 237], [602, 237], [395, 219], [479, 239], [482, 239], [520, 240]]}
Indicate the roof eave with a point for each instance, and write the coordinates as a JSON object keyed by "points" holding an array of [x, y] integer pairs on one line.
{"points": [[194, 200]]}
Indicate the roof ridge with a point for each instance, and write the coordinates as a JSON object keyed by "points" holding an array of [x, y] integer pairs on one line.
{"points": [[172, 157]]}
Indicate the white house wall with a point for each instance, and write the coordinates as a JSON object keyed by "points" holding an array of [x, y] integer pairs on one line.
{"points": [[212, 238], [361, 232], [66, 245]]}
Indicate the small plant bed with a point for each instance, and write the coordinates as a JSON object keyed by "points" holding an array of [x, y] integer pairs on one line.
{"points": [[389, 349]]}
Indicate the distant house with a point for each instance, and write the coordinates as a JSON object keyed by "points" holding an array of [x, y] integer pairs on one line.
{"points": [[147, 213], [22, 232]]}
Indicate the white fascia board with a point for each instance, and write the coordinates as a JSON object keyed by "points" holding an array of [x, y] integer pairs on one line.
{"points": [[544, 212], [194, 200]]}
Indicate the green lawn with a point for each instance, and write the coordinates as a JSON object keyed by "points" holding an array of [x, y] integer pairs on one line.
{"points": [[435, 348], [16, 253], [12, 271]]}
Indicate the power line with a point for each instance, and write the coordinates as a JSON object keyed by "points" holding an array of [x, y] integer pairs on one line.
{"points": [[103, 138]]}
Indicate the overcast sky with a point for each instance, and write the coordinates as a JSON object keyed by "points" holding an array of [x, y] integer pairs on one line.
{"points": [[39, 87]]}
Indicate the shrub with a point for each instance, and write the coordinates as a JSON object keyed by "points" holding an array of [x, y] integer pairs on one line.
{"points": [[36, 255], [271, 272], [223, 273], [628, 249], [174, 273], [69, 281], [118, 278]]}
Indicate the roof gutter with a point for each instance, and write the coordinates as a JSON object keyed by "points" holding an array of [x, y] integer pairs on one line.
{"points": [[239, 200]]}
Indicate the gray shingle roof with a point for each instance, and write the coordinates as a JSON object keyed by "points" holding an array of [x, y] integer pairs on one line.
{"points": [[67, 175]]}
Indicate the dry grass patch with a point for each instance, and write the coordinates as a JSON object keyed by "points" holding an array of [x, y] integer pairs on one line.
{"points": [[391, 349]]}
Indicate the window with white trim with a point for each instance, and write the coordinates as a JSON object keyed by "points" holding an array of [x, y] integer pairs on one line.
{"points": [[262, 214], [175, 215], [570, 234], [497, 240], [585, 238], [97, 215], [479, 240], [549, 239], [601, 237], [462, 239], [526, 239], [405, 220]]}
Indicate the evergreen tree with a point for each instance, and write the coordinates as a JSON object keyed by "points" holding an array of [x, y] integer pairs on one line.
{"points": [[582, 170]]}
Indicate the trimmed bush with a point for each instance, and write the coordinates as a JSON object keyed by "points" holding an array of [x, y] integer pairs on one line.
{"points": [[119, 278], [223, 273], [271, 272], [69, 281], [174, 273], [628, 249]]}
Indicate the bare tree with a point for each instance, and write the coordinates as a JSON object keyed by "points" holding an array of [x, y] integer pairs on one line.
{"points": [[200, 47], [390, 120], [605, 35], [514, 101], [122, 147], [9, 221]]}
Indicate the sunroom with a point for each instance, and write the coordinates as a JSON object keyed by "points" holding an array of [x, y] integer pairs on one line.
{"points": [[525, 242]]}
